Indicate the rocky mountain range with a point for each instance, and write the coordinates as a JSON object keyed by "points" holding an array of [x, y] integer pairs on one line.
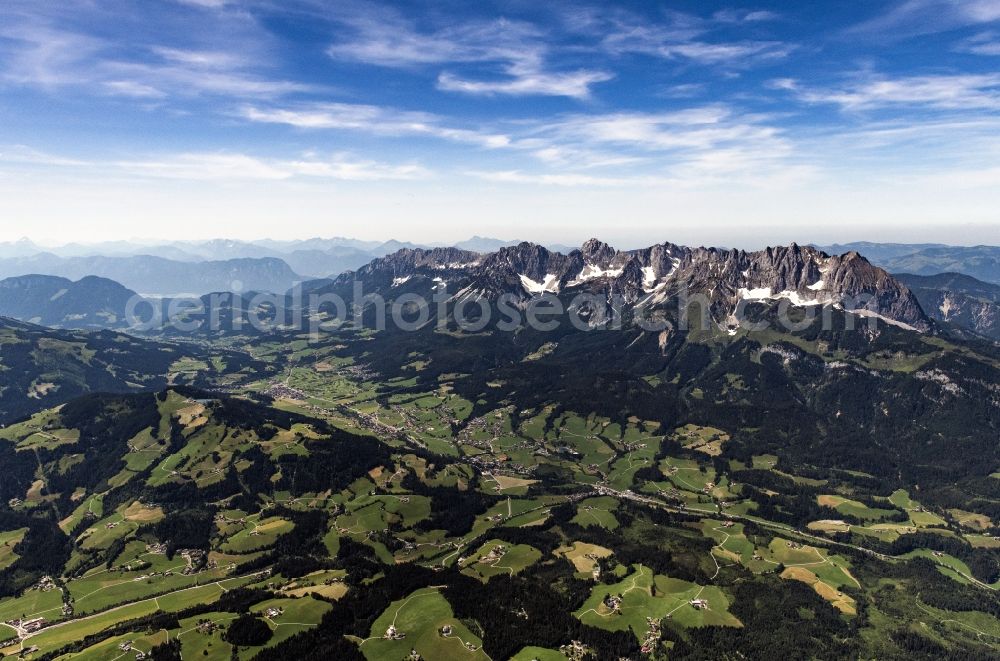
{"points": [[651, 276], [958, 299], [647, 278]]}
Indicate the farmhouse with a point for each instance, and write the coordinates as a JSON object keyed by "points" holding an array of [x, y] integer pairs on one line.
{"points": [[33, 625]]}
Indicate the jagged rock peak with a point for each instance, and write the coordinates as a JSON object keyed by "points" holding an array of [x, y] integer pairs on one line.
{"points": [[802, 274], [597, 252]]}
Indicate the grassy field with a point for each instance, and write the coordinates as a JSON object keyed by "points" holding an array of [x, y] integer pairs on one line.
{"points": [[708, 440], [419, 618], [643, 595], [583, 556], [538, 654], [971, 520], [257, 534], [8, 540], [853, 508], [496, 558], [58, 636], [597, 511], [296, 615], [33, 603]]}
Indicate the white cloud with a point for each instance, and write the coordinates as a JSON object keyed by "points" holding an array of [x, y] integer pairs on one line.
{"points": [[208, 4], [205, 167], [949, 92], [43, 56], [23, 154], [215, 167], [556, 179], [519, 50], [698, 128], [917, 17], [682, 36], [38, 51], [525, 81], [133, 89], [372, 119], [984, 43], [648, 40], [223, 166], [713, 139]]}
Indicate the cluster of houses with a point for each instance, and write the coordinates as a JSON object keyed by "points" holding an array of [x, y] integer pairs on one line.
{"points": [[596, 571], [206, 627], [154, 574], [282, 391], [652, 635], [499, 464], [133, 565], [45, 584], [27, 626], [221, 517], [575, 650], [194, 558], [494, 556]]}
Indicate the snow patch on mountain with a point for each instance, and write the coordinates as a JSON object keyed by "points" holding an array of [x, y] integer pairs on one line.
{"points": [[550, 284]]}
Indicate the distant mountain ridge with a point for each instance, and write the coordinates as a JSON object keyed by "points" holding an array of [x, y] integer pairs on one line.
{"points": [[306, 259], [650, 276], [958, 299], [981, 262], [90, 302], [148, 274]]}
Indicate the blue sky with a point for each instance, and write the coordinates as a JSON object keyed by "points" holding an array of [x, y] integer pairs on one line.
{"points": [[696, 122]]}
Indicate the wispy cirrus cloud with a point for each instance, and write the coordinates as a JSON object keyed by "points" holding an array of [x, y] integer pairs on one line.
{"points": [[224, 166], [235, 166], [911, 18], [984, 43], [514, 56], [45, 49], [525, 79], [672, 44], [696, 128], [374, 120], [185, 73], [973, 92], [708, 139], [685, 37]]}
